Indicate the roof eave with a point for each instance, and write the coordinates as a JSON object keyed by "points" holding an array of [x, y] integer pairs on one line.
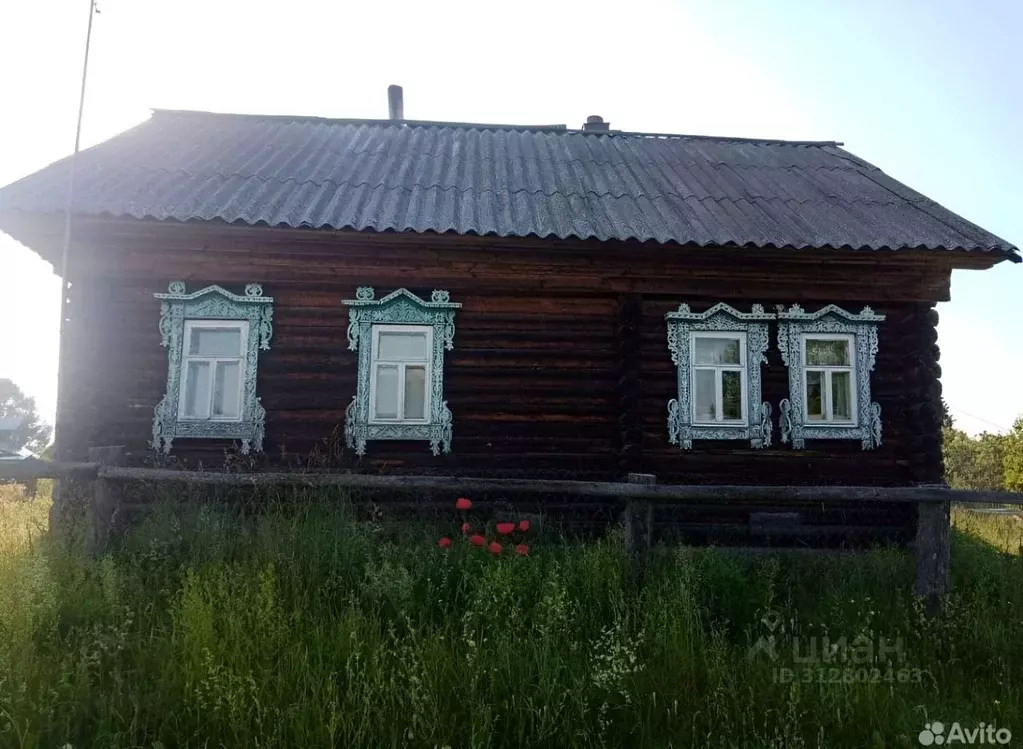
{"points": [[43, 234]]}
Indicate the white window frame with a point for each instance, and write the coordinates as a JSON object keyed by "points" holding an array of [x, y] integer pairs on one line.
{"points": [[376, 362], [826, 396], [719, 421], [242, 359]]}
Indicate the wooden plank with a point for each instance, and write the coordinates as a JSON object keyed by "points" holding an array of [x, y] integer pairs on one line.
{"points": [[609, 489], [106, 498], [33, 468], [933, 539], [156, 249], [639, 521]]}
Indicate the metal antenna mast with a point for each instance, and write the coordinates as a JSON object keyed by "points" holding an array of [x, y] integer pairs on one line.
{"points": [[65, 250]]}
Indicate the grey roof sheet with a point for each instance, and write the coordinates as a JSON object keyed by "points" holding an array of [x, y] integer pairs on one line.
{"points": [[10, 423], [496, 180]]}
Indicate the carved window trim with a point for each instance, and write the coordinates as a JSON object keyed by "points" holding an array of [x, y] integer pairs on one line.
{"points": [[721, 318], [212, 303], [400, 307], [794, 326]]}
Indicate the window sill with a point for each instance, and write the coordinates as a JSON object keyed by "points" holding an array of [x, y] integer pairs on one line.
{"points": [[398, 422], [194, 420]]}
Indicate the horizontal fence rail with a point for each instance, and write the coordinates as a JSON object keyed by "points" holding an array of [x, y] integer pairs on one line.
{"points": [[640, 495], [29, 469]]}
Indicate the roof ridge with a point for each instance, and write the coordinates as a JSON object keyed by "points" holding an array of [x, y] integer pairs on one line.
{"points": [[360, 120], [558, 129]]}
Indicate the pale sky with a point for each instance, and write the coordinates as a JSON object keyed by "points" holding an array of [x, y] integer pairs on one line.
{"points": [[931, 91]]}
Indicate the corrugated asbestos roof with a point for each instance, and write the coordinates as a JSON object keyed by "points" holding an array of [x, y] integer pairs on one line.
{"points": [[496, 180]]}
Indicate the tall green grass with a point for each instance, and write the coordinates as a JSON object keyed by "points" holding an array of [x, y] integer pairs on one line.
{"points": [[299, 627]]}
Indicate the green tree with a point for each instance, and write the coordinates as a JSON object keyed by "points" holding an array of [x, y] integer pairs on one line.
{"points": [[974, 463], [1013, 460], [946, 416], [30, 432]]}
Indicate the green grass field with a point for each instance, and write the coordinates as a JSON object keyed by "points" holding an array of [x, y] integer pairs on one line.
{"points": [[302, 628]]}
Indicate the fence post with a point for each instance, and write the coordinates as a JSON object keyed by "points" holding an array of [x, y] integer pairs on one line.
{"points": [[106, 497], [933, 539], [639, 520]]}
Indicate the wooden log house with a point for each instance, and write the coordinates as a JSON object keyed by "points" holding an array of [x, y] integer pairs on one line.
{"points": [[395, 296]]}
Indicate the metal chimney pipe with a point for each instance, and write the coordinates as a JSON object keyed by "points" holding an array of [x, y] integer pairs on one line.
{"points": [[395, 103]]}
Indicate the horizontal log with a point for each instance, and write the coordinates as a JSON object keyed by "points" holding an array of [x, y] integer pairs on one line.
{"points": [[610, 490], [33, 468]]}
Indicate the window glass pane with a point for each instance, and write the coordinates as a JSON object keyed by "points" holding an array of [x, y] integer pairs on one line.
{"points": [[386, 406], [225, 389], [731, 395], [716, 351], [827, 353], [415, 392], [402, 346], [197, 389], [841, 396], [703, 395], [814, 395], [215, 342]]}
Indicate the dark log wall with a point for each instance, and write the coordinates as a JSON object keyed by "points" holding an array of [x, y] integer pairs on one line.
{"points": [[530, 382], [900, 384], [560, 366]]}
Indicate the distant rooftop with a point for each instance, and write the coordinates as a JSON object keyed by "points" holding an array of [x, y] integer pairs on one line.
{"points": [[10, 423], [401, 175]]}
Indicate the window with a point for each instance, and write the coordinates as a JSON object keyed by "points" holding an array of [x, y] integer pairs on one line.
{"points": [[830, 376], [718, 354], [401, 373], [212, 367], [213, 338], [719, 378], [830, 355], [401, 340]]}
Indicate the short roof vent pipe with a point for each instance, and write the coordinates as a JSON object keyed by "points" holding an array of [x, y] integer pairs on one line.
{"points": [[395, 103]]}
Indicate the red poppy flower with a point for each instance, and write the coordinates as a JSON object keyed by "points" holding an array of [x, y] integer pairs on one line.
{"points": [[495, 548], [521, 550], [463, 504], [477, 540], [505, 528], [466, 528], [444, 543], [523, 525]]}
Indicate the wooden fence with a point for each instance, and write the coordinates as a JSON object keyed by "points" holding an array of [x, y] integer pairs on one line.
{"points": [[640, 495]]}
